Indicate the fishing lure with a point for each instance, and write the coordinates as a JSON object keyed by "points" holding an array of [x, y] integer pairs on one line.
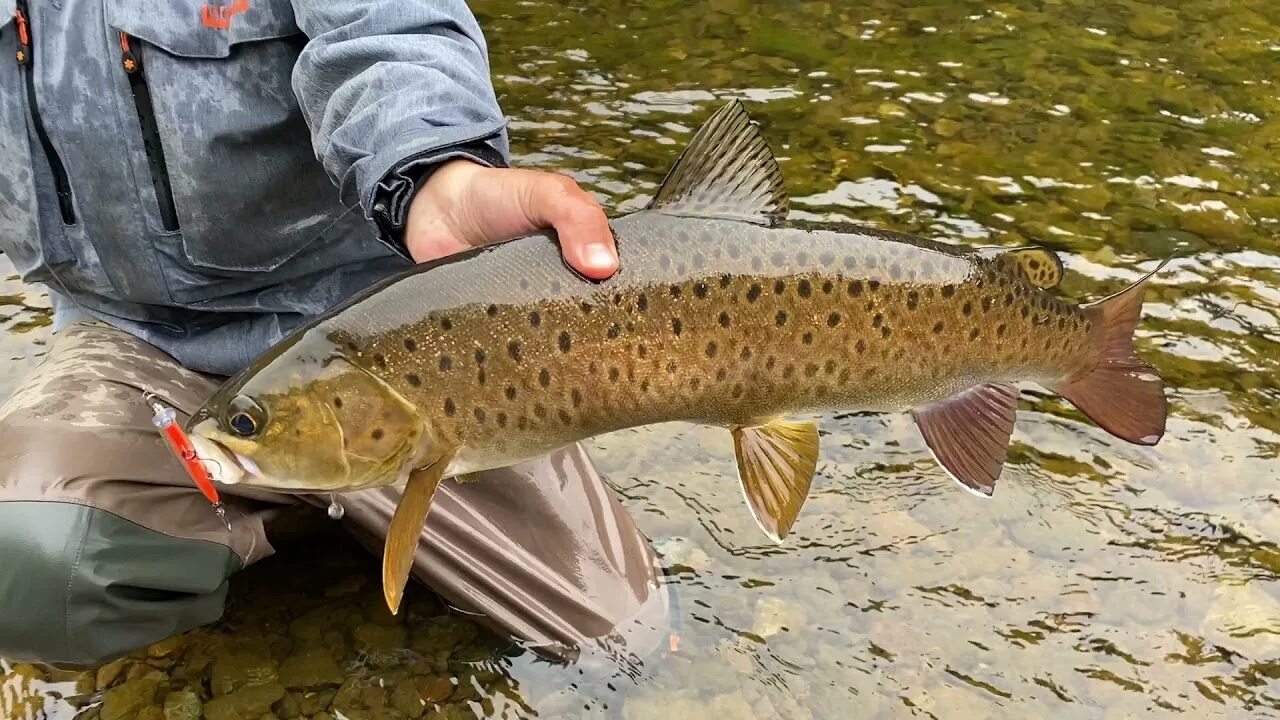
{"points": [[166, 421]]}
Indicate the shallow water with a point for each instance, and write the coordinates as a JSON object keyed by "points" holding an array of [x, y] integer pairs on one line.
{"points": [[1102, 580]]}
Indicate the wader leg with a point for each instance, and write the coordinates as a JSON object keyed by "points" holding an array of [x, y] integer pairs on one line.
{"points": [[105, 545], [543, 551]]}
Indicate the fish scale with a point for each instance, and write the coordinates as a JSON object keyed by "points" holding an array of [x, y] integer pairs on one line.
{"points": [[722, 313]]}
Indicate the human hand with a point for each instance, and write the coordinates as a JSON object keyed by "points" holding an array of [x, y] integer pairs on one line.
{"points": [[464, 205]]}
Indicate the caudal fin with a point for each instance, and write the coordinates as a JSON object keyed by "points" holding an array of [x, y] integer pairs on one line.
{"points": [[1123, 394]]}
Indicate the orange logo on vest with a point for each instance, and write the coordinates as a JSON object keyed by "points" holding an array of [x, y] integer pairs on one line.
{"points": [[218, 17]]}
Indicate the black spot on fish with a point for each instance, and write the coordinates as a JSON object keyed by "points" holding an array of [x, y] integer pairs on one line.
{"points": [[479, 413], [948, 290], [614, 374], [413, 379], [376, 434], [788, 371], [446, 323], [973, 334], [768, 365], [671, 367], [699, 260], [895, 271], [510, 392], [544, 377], [479, 357], [642, 302], [872, 261], [913, 300], [540, 410], [780, 318], [614, 331], [937, 328], [726, 280], [641, 350], [555, 287], [449, 407], [778, 259], [986, 304], [877, 321], [711, 349], [810, 370], [501, 419], [826, 258], [753, 292], [829, 367], [675, 291], [380, 360], [1008, 299], [1062, 323], [1025, 312], [617, 298], [664, 262], [745, 354], [850, 262], [337, 402], [410, 344], [802, 258], [833, 319], [734, 252], [566, 342], [676, 326], [586, 307], [756, 264], [1000, 330], [779, 287], [446, 363], [535, 319], [827, 287], [807, 338], [524, 283], [480, 376], [721, 374], [805, 288], [861, 347], [575, 396], [1033, 264], [700, 289], [522, 422], [491, 310], [724, 319], [873, 285], [737, 391], [513, 349], [885, 332], [855, 288], [565, 418], [845, 374], [967, 308]]}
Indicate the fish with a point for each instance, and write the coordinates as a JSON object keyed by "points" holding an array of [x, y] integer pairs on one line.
{"points": [[724, 312]]}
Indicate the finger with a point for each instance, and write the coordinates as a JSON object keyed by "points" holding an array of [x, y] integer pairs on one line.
{"points": [[586, 239]]}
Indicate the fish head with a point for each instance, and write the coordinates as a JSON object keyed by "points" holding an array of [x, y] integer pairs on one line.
{"points": [[296, 425]]}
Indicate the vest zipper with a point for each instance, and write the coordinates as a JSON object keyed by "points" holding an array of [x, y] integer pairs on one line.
{"points": [[131, 60], [66, 204]]}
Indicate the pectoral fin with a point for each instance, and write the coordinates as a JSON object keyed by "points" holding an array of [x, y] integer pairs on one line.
{"points": [[776, 463], [969, 433], [405, 529]]}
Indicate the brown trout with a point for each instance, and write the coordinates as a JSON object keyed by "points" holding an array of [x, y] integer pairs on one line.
{"points": [[722, 313]]}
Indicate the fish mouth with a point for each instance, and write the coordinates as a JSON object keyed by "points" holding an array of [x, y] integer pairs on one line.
{"points": [[223, 464]]}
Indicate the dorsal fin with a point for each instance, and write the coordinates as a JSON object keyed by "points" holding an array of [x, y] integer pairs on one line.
{"points": [[1040, 266], [726, 172]]}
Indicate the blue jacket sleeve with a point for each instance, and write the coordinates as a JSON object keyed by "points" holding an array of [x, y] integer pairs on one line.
{"points": [[391, 88]]}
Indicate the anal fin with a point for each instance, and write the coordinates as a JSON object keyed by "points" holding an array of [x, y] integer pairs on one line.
{"points": [[776, 462], [406, 529], [969, 433]]}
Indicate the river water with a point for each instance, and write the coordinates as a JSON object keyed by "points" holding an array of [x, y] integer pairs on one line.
{"points": [[1103, 580]]}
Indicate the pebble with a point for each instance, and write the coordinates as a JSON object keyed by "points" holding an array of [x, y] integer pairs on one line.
{"points": [[241, 669], [108, 673], [249, 702], [310, 666], [183, 705], [126, 700], [371, 638]]}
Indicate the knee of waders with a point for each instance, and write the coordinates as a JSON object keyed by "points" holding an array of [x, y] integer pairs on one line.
{"points": [[80, 585]]}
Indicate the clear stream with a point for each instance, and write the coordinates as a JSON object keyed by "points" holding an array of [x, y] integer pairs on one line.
{"points": [[1102, 581]]}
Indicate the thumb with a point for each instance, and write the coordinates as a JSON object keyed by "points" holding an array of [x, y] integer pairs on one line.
{"points": [[586, 240]]}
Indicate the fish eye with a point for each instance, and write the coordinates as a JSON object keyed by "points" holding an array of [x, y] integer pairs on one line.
{"points": [[245, 417]]}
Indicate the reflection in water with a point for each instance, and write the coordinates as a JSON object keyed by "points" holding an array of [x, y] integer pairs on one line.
{"points": [[1103, 580]]}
